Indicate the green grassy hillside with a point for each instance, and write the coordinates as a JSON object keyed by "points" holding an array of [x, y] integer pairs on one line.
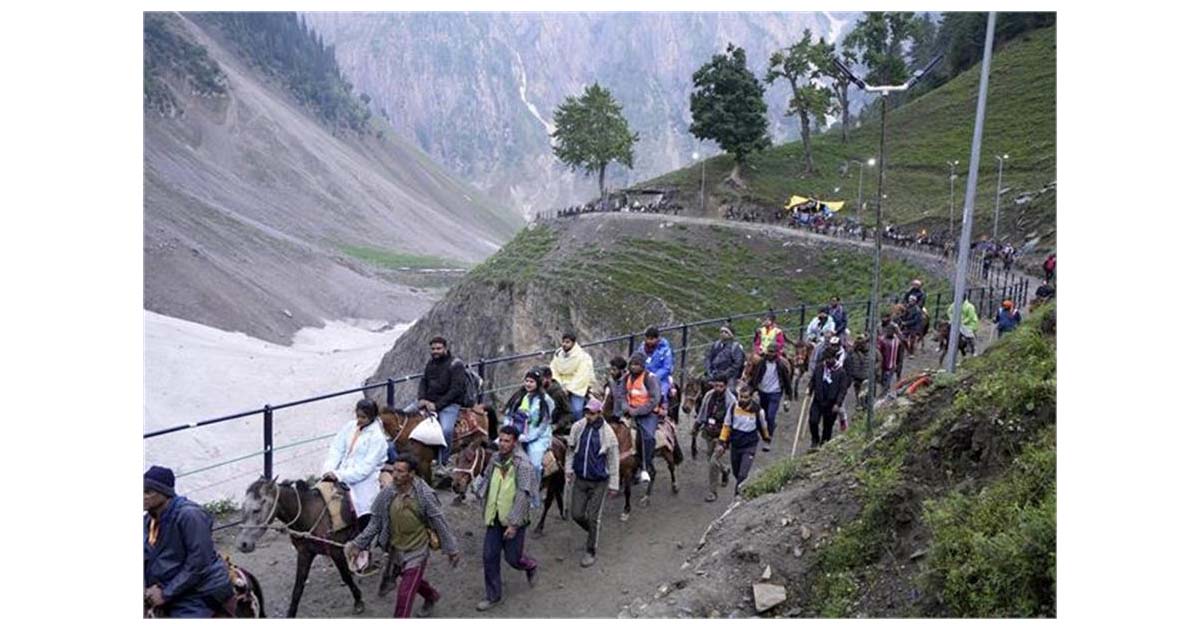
{"points": [[922, 136]]}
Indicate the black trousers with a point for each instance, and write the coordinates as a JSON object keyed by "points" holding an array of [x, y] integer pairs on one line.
{"points": [[820, 422]]}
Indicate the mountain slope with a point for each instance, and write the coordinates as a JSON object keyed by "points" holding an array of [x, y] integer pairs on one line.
{"points": [[478, 91], [608, 274], [251, 203], [921, 137]]}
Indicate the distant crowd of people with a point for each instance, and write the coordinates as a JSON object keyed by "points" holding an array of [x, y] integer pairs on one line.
{"points": [[656, 207]]}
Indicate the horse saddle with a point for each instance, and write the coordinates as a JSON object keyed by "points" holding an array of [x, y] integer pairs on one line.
{"points": [[341, 509], [244, 600], [665, 435], [471, 422]]}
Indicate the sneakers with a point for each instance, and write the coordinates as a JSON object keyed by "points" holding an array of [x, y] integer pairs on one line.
{"points": [[532, 577], [724, 478], [485, 604], [644, 477], [766, 448], [712, 496], [588, 560]]}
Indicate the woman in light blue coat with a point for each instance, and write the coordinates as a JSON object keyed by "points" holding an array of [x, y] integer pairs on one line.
{"points": [[531, 411]]}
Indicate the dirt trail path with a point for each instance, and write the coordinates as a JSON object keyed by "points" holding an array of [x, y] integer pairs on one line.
{"points": [[634, 560]]}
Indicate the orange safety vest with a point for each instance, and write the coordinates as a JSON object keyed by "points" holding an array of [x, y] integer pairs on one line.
{"points": [[636, 393]]}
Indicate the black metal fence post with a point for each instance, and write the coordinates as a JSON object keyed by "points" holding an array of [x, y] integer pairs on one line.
{"points": [[803, 319], [631, 337], [937, 309], [268, 442], [683, 370], [391, 393]]}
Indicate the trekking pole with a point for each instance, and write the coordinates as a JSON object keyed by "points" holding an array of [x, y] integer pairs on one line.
{"points": [[800, 423]]}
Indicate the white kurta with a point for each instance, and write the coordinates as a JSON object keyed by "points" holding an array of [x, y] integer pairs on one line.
{"points": [[359, 468]]}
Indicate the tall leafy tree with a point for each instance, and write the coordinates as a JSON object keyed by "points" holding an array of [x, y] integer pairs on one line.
{"points": [[728, 107], [841, 89], [590, 132], [879, 39], [802, 64]]}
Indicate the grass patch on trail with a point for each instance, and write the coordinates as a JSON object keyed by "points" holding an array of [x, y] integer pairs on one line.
{"points": [[772, 478], [400, 260], [994, 553], [519, 260], [221, 508]]}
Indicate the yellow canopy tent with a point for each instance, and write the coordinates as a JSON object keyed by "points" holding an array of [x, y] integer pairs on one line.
{"points": [[797, 200]]}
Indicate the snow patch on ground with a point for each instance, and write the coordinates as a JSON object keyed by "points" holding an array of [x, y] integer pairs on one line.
{"points": [[194, 372]]}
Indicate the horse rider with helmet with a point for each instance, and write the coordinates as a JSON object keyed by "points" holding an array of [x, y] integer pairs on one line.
{"points": [[181, 572]]}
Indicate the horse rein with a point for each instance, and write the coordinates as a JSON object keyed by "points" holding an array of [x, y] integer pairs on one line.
{"points": [[474, 463]]}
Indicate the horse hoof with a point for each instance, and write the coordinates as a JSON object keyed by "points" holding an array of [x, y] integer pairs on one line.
{"points": [[624, 516], [458, 500], [359, 607]]}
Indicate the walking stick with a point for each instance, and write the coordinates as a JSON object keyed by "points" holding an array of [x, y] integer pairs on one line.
{"points": [[800, 424]]}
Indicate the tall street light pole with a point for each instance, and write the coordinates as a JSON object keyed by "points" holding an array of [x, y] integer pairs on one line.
{"points": [[953, 176], [960, 276], [869, 162], [696, 156], [999, 184], [873, 305]]}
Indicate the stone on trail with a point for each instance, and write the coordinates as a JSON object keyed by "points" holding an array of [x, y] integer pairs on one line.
{"points": [[768, 596], [805, 532], [766, 574], [797, 551]]}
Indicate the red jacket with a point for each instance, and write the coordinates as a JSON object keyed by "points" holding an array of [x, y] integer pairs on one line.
{"points": [[889, 352]]}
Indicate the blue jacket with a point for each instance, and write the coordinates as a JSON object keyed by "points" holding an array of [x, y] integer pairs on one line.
{"points": [[661, 363], [840, 319], [183, 561], [1007, 320], [590, 461]]}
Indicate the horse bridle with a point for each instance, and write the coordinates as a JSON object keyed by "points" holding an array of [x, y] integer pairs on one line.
{"points": [[275, 506], [474, 463]]}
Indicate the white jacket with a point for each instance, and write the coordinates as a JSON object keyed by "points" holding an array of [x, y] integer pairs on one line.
{"points": [[358, 469]]}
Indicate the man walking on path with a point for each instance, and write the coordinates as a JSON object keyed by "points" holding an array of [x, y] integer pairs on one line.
{"points": [[408, 508], [827, 386], [1007, 319], [572, 366], [506, 489], [970, 322], [772, 378], [595, 460], [747, 423], [713, 414], [890, 349], [442, 390]]}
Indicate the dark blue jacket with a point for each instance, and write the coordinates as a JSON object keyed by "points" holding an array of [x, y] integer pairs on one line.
{"points": [[183, 562], [840, 319], [1007, 320], [590, 463]]}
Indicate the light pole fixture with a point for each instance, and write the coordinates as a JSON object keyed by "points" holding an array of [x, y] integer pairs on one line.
{"points": [[869, 162], [873, 305], [999, 184], [953, 176]]}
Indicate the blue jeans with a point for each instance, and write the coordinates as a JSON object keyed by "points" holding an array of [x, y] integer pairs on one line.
{"points": [[647, 425], [577, 406], [447, 417], [513, 551], [770, 404]]}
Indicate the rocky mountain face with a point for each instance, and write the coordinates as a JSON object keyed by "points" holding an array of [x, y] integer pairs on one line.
{"points": [[260, 218], [478, 91]]}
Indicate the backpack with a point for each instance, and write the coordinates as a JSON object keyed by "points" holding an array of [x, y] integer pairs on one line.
{"points": [[474, 393]]}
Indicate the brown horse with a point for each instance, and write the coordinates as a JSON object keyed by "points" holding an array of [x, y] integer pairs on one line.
{"points": [[628, 459], [554, 483], [471, 427], [306, 517], [800, 360], [966, 345], [468, 464], [672, 457]]}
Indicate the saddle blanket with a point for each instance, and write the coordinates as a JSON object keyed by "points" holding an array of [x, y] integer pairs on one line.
{"points": [[335, 498]]}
